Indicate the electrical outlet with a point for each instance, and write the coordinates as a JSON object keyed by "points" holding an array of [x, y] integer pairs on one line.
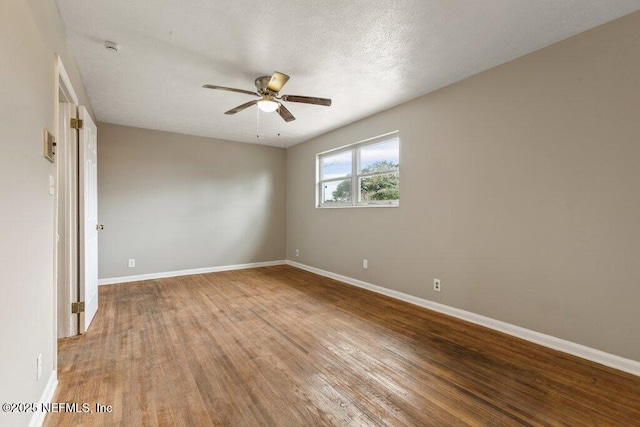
{"points": [[436, 285], [39, 367], [297, 252], [365, 264], [132, 262]]}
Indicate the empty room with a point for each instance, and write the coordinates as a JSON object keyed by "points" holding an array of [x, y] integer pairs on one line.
{"points": [[297, 213]]}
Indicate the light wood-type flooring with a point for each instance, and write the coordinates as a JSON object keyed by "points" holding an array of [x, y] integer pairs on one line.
{"points": [[278, 346]]}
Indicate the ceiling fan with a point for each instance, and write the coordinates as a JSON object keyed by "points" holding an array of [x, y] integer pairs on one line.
{"points": [[268, 89]]}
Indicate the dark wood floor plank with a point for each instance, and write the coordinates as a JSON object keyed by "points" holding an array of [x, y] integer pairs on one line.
{"points": [[280, 346]]}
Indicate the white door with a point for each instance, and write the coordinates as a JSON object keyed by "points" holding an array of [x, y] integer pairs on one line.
{"points": [[88, 183]]}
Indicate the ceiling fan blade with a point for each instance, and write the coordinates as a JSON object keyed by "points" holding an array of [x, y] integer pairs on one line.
{"points": [[307, 100], [230, 89], [285, 114], [277, 81], [242, 107]]}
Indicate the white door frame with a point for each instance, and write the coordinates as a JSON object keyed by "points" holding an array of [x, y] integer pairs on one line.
{"points": [[64, 92]]}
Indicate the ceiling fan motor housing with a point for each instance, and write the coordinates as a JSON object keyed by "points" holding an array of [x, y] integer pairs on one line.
{"points": [[261, 84]]}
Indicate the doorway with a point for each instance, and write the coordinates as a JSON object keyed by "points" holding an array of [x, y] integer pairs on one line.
{"points": [[76, 214]]}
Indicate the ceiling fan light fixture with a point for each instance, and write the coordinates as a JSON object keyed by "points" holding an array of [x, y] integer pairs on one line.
{"points": [[268, 105]]}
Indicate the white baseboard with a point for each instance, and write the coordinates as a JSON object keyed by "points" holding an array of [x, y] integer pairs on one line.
{"points": [[598, 356], [47, 395], [136, 278]]}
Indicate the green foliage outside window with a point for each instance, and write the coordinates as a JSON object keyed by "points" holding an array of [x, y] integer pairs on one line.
{"points": [[343, 192], [377, 187]]}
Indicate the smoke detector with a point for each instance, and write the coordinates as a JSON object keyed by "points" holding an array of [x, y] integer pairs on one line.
{"points": [[111, 46]]}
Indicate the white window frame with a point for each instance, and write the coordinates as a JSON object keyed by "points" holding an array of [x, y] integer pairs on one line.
{"points": [[355, 175]]}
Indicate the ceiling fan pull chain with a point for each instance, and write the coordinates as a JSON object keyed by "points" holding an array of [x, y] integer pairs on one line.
{"points": [[257, 123]]}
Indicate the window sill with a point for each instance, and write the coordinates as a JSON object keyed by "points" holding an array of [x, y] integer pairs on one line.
{"points": [[358, 206]]}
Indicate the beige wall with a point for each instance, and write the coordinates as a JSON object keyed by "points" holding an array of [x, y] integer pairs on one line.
{"points": [[519, 189], [176, 202], [31, 33]]}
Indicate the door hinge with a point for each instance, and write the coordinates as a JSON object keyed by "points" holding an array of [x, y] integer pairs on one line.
{"points": [[76, 123], [77, 307]]}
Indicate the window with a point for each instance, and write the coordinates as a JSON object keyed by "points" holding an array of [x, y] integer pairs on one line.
{"points": [[363, 174]]}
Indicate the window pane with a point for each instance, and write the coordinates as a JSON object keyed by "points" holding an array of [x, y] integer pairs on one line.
{"points": [[336, 192], [380, 189], [380, 157], [337, 165]]}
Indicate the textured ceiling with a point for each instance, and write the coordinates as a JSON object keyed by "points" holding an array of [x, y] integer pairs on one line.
{"points": [[366, 55]]}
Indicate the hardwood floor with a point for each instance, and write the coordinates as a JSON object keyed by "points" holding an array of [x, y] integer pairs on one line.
{"points": [[280, 346]]}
